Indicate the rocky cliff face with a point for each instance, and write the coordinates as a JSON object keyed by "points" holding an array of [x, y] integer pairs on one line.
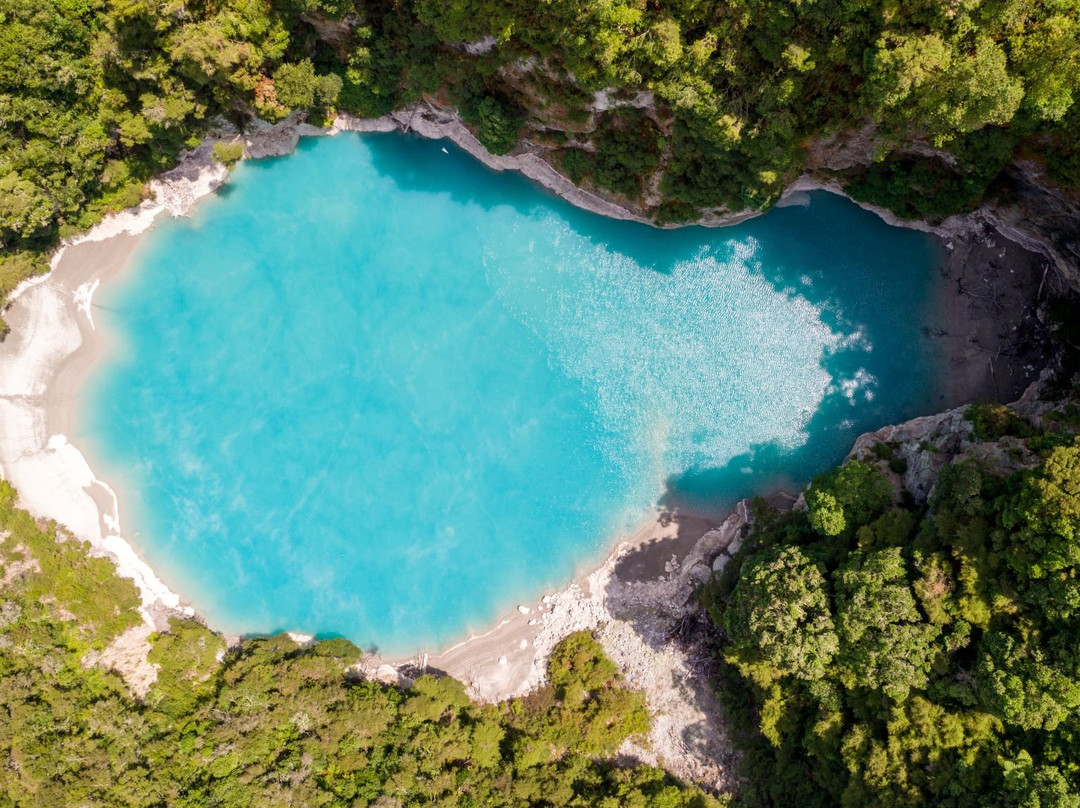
{"points": [[856, 148], [335, 33], [1036, 213], [916, 451], [1029, 208]]}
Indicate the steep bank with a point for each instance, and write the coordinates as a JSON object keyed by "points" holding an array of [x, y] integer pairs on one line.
{"points": [[1032, 212], [929, 444]]}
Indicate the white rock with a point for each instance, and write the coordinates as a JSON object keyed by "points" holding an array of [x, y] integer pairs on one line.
{"points": [[481, 46], [524, 610], [387, 674]]}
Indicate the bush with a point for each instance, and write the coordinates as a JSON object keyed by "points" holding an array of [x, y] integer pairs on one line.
{"points": [[995, 421], [498, 127], [228, 153], [627, 152], [847, 498], [576, 164]]}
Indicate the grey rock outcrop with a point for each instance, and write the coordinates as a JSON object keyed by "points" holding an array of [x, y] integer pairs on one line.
{"points": [[1040, 216], [928, 444]]}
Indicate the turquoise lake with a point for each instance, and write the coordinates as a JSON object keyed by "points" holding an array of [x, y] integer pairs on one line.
{"points": [[374, 389]]}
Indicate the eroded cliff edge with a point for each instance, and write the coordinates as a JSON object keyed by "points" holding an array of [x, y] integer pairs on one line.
{"points": [[1027, 207], [1004, 263]]}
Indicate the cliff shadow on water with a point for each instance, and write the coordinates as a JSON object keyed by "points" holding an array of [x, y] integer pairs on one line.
{"points": [[874, 284]]}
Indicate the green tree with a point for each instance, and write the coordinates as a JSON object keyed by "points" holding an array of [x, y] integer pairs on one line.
{"points": [[1021, 682], [466, 20], [498, 129], [1048, 56], [780, 611], [945, 90], [24, 209], [886, 644], [1048, 507], [1029, 787], [294, 84], [847, 498]]}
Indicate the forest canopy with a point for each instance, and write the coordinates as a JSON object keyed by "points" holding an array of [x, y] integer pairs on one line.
{"points": [[874, 652], [274, 723]]}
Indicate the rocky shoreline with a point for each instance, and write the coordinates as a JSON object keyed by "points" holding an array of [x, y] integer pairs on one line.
{"points": [[426, 120], [633, 618], [1057, 242], [53, 336]]}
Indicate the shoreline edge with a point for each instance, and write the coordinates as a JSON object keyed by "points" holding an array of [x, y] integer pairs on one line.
{"points": [[54, 342]]}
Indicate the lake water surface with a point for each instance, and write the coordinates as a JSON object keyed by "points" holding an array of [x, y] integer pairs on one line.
{"points": [[374, 389]]}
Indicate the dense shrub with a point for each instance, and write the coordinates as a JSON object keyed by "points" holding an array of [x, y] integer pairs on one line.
{"points": [[924, 658], [498, 129]]}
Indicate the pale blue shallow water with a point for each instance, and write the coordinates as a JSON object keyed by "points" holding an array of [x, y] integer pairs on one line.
{"points": [[373, 389]]}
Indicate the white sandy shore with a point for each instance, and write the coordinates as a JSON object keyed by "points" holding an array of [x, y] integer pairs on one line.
{"points": [[40, 364], [53, 342]]}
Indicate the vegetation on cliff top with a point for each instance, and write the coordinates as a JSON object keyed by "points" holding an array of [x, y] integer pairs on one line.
{"points": [[96, 96], [884, 654], [876, 653]]}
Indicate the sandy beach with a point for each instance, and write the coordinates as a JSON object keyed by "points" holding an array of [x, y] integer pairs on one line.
{"points": [[43, 363], [44, 360], [631, 599]]}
